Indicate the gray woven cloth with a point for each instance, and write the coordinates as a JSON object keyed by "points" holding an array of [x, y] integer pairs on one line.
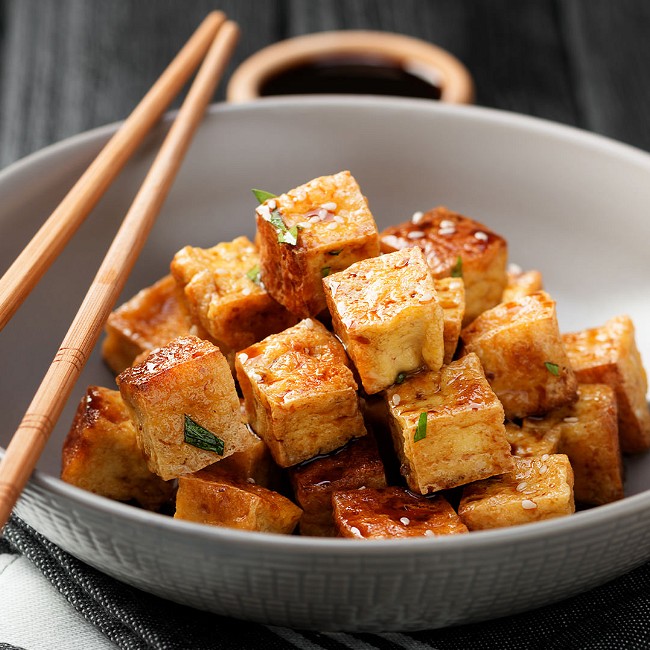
{"points": [[616, 615]]}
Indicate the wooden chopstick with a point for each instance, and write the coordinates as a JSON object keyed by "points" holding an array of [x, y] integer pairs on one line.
{"points": [[23, 275], [31, 436]]}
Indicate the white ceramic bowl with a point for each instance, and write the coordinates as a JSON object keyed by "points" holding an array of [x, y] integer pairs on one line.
{"points": [[571, 204]]}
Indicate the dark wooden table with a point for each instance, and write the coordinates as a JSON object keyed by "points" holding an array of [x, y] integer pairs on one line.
{"points": [[70, 65]]}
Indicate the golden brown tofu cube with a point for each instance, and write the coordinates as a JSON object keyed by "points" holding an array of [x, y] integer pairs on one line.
{"points": [[457, 246], [521, 283], [538, 488], [183, 400], [356, 465], [608, 355], [101, 454], [234, 504], [386, 312], [521, 349], [451, 297], [300, 395], [225, 295], [304, 235], [153, 317], [448, 427], [393, 512], [535, 437]]}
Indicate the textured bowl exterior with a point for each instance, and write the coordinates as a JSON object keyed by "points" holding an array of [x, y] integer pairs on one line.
{"points": [[491, 165]]}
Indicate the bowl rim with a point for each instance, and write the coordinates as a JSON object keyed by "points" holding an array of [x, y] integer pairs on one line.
{"points": [[349, 547]]}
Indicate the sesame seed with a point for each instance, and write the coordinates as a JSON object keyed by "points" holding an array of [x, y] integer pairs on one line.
{"points": [[417, 217], [250, 480], [522, 486], [543, 469], [309, 323], [571, 419], [515, 269], [415, 234], [481, 235], [330, 207], [527, 504], [396, 399], [545, 457], [446, 223], [256, 377], [429, 533], [425, 297], [355, 531], [304, 224], [245, 292], [314, 218], [405, 520], [331, 226], [272, 204], [322, 214], [243, 357], [447, 231], [264, 212], [339, 219]]}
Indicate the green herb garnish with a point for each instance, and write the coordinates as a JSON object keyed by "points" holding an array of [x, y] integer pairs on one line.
{"points": [[553, 368], [400, 378], [254, 275], [457, 269], [325, 271], [200, 437], [336, 252], [285, 235], [421, 429], [262, 196]]}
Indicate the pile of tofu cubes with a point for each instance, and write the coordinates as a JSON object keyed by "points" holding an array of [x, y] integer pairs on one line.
{"points": [[339, 381]]}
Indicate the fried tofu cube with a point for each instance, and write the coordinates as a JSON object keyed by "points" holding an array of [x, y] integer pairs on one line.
{"points": [[521, 349], [101, 454], [234, 504], [609, 355], [184, 403], [152, 318], [386, 312], [300, 394], [311, 231], [225, 296], [451, 297], [456, 246], [521, 283], [354, 466], [535, 490], [448, 427], [392, 512], [535, 437]]}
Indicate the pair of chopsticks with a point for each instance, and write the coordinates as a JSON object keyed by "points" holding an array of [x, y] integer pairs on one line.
{"points": [[212, 43]]}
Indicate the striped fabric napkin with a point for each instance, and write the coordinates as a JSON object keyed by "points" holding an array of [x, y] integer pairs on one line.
{"points": [[616, 615]]}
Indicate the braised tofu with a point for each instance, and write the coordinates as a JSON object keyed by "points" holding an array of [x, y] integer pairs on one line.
{"points": [[224, 292], [521, 350], [152, 318], [609, 355], [234, 504], [538, 488], [183, 400], [521, 283], [300, 394], [456, 246], [393, 512], [386, 312], [451, 297], [253, 465], [311, 231], [101, 454], [354, 466], [448, 427], [534, 437]]}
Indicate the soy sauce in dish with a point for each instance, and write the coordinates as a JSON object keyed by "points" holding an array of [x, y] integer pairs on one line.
{"points": [[353, 75]]}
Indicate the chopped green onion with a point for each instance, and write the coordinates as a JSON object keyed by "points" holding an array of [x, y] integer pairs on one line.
{"points": [[553, 368], [400, 378], [262, 196], [457, 268], [200, 437], [336, 252], [421, 429], [254, 275], [325, 271]]}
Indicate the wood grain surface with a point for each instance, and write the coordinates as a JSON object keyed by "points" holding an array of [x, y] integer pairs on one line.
{"points": [[70, 65]]}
